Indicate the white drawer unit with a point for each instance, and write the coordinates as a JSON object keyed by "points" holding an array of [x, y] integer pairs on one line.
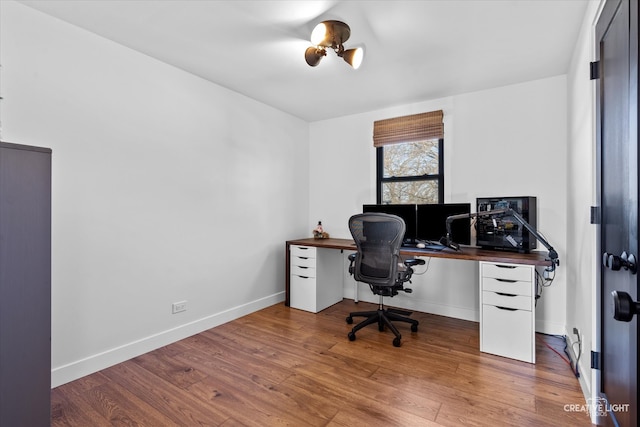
{"points": [[507, 310], [315, 277]]}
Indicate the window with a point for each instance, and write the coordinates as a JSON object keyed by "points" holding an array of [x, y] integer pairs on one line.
{"points": [[411, 172], [410, 159]]}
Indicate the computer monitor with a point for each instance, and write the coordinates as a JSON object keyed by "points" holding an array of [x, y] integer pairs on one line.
{"points": [[432, 222], [406, 212]]}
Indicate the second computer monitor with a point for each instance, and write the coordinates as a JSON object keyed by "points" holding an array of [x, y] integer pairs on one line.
{"points": [[432, 222]]}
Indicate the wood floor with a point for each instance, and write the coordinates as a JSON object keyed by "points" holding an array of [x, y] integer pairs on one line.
{"points": [[282, 366]]}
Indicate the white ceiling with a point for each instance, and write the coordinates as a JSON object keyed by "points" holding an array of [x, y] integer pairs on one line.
{"points": [[414, 50]]}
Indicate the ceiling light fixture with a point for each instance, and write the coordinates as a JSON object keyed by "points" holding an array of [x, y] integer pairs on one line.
{"points": [[331, 34]]}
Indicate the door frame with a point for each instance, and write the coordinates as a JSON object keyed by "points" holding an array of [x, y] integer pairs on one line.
{"points": [[606, 13]]}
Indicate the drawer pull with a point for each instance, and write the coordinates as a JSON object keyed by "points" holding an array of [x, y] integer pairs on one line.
{"points": [[505, 266], [506, 280], [506, 308], [303, 277], [506, 295], [302, 266]]}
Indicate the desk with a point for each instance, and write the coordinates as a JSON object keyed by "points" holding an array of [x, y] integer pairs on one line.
{"points": [[507, 289]]}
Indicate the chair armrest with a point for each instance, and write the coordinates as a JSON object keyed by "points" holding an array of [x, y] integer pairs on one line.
{"points": [[352, 258], [413, 262]]}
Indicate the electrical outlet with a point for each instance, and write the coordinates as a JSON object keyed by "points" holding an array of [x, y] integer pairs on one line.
{"points": [[178, 307], [575, 331]]}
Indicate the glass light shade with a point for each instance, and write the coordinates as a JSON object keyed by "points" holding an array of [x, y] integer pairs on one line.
{"points": [[354, 57], [318, 34]]}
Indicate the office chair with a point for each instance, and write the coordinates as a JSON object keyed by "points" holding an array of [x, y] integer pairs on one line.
{"points": [[378, 237]]}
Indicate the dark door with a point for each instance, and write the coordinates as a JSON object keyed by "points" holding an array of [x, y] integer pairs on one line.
{"points": [[25, 285], [617, 160]]}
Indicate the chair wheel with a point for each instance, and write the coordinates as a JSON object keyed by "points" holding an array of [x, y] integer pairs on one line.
{"points": [[396, 342], [381, 327], [349, 319], [414, 328], [352, 336]]}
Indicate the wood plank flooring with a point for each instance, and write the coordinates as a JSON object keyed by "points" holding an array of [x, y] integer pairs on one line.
{"points": [[282, 366]]}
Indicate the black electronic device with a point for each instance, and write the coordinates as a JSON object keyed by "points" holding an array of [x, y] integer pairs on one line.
{"points": [[408, 214], [502, 231], [432, 222]]}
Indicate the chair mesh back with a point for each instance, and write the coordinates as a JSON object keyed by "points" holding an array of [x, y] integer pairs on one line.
{"points": [[378, 237]]}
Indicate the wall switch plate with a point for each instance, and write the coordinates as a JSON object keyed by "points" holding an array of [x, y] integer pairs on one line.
{"points": [[178, 307]]}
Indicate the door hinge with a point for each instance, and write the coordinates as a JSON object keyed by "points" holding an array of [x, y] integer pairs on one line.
{"points": [[594, 70], [595, 360], [595, 215]]}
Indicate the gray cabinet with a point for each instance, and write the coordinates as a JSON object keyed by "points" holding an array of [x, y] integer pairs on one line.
{"points": [[25, 285]]}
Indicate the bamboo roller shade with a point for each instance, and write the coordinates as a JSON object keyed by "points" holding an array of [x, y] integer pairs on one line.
{"points": [[416, 127]]}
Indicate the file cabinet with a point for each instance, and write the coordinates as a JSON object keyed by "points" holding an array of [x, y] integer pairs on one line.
{"points": [[315, 282], [507, 310]]}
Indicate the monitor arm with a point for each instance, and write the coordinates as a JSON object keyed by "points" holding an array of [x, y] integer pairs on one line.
{"points": [[553, 255]]}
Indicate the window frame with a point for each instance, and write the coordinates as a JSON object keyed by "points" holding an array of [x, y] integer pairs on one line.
{"points": [[439, 177]]}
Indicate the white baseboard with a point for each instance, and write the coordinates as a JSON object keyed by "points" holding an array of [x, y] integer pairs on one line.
{"points": [[423, 306], [550, 328], [80, 368]]}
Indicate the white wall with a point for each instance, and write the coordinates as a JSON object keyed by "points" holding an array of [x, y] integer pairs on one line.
{"points": [[161, 183], [581, 235], [508, 141], [160, 179]]}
